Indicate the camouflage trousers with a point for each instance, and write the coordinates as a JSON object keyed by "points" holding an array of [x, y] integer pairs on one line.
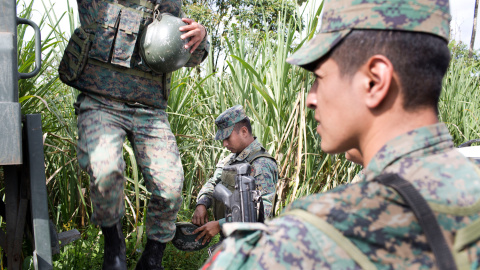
{"points": [[103, 125]]}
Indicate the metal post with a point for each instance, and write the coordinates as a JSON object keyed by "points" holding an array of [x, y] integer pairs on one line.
{"points": [[41, 228], [10, 116]]}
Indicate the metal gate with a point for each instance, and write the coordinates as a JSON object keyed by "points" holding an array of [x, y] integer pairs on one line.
{"points": [[21, 152]]}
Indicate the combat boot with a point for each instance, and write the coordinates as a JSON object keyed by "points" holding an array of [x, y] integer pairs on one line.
{"points": [[152, 256], [114, 257]]}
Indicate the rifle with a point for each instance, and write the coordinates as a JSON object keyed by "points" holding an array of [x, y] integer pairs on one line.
{"points": [[241, 205]]}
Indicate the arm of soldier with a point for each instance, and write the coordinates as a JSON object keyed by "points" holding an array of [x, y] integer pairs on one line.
{"points": [[266, 178], [283, 243], [205, 198]]}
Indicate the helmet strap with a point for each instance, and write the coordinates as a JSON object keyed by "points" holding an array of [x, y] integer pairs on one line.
{"points": [[156, 10]]}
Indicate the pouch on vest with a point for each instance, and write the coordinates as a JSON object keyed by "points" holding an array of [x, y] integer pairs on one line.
{"points": [[126, 39], [107, 24], [75, 56]]}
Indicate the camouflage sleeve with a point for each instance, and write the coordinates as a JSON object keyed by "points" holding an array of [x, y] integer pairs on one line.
{"points": [[205, 196], [266, 176], [283, 243], [87, 11]]}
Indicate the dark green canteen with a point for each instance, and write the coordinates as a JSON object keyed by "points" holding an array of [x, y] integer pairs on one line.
{"points": [[161, 47], [184, 238]]}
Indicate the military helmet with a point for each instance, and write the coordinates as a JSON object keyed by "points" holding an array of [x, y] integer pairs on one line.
{"points": [[184, 238], [161, 47]]}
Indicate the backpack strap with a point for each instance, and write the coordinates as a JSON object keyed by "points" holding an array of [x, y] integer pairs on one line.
{"points": [[425, 216]]}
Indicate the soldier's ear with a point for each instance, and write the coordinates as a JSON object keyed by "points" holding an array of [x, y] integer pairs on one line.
{"points": [[379, 72], [244, 131]]}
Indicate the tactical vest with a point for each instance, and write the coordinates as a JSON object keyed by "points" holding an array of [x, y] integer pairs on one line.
{"points": [[103, 58], [228, 179]]}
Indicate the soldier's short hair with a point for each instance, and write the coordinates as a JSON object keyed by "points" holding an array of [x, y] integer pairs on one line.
{"points": [[244, 123], [419, 59]]}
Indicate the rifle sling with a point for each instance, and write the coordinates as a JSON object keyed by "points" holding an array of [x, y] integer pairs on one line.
{"points": [[425, 216]]}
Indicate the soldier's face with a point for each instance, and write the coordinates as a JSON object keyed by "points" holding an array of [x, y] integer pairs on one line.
{"points": [[234, 143], [335, 101]]}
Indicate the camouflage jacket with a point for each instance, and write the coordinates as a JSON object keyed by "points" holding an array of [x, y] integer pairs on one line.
{"points": [[103, 59], [367, 220], [264, 170]]}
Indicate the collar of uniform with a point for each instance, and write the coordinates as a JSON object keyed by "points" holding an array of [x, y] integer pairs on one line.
{"points": [[253, 147], [418, 142]]}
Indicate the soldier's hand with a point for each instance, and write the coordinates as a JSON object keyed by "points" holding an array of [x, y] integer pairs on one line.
{"points": [[200, 216], [196, 33], [208, 230]]}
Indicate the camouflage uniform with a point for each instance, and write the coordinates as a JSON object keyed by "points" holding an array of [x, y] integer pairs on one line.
{"points": [[367, 225], [121, 97], [369, 216], [264, 168]]}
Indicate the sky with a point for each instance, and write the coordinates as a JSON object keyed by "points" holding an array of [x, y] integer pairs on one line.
{"points": [[462, 21], [461, 10]]}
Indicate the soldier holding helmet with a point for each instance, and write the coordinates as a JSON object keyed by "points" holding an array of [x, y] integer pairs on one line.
{"points": [[122, 97]]}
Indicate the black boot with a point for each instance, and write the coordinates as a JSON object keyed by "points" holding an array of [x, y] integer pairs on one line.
{"points": [[152, 256], [114, 249]]}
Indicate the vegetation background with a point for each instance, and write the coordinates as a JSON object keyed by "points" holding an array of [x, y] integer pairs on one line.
{"points": [[250, 43]]}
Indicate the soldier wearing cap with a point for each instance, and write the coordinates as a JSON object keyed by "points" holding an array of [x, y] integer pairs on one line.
{"points": [[378, 68], [235, 131]]}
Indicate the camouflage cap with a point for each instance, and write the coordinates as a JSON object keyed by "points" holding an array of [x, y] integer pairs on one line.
{"points": [[227, 120], [184, 238], [341, 16]]}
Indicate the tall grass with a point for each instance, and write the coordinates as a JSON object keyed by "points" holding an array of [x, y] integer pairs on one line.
{"points": [[272, 92], [460, 103]]}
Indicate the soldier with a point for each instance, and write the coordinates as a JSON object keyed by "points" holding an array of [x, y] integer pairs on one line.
{"points": [[122, 97], [235, 131], [378, 68]]}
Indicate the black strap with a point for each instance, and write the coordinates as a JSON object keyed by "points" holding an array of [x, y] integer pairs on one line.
{"points": [[426, 218], [261, 212]]}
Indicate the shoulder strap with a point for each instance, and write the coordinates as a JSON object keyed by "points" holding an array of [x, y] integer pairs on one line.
{"points": [[261, 153], [322, 225], [425, 216]]}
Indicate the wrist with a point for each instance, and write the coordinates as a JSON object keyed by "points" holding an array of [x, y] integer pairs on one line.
{"points": [[221, 222], [201, 205], [205, 29]]}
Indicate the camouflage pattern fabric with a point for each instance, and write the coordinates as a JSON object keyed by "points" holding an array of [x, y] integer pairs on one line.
{"points": [[226, 121], [103, 125], [341, 16], [108, 77], [369, 215], [116, 104], [264, 170]]}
